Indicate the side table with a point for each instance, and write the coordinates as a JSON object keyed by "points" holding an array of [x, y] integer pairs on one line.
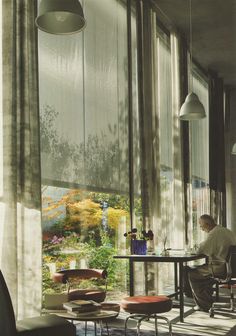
{"points": [[101, 317]]}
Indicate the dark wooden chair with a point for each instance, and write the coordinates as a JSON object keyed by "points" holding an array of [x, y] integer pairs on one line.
{"points": [[229, 282], [43, 325]]}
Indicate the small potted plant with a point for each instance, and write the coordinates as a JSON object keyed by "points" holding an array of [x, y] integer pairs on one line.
{"points": [[139, 240]]}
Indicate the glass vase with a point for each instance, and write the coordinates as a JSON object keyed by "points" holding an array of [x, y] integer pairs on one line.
{"points": [[138, 246]]}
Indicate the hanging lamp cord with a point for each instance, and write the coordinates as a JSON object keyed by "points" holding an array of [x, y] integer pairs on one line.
{"points": [[191, 45]]}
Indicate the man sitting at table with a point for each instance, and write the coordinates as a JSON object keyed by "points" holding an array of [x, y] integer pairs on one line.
{"points": [[215, 247]]}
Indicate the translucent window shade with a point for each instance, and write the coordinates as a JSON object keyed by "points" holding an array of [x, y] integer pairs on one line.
{"points": [[83, 101], [136, 130], [165, 103], [135, 123], [200, 133]]}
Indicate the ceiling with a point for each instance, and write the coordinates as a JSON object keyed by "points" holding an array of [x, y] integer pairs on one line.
{"points": [[213, 32]]}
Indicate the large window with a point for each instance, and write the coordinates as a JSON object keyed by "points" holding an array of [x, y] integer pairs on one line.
{"points": [[84, 141], [91, 122]]}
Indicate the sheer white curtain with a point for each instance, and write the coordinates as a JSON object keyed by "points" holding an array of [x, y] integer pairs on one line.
{"points": [[200, 133], [164, 89], [171, 192], [172, 218], [135, 121], [178, 223], [149, 134], [20, 218], [199, 130]]}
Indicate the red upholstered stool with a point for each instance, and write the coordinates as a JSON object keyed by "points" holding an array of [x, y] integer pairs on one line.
{"points": [[147, 307]]}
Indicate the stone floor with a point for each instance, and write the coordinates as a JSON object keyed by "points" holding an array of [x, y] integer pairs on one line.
{"points": [[196, 323]]}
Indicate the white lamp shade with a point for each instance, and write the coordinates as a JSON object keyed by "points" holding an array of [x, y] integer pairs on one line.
{"points": [[234, 149], [192, 109], [60, 16]]}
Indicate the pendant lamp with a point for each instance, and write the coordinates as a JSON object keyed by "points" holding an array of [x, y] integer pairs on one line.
{"points": [[234, 149], [192, 108], [60, 16]]}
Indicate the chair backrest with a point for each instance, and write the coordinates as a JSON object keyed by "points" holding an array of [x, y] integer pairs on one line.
{"points": [[79, 274], [7, 316], [231, 261], [74, 276]]}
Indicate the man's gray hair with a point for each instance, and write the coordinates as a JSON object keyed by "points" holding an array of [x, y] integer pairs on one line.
{"points": [[208, 219]]}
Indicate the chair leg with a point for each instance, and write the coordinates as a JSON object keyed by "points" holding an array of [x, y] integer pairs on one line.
{"points": [[143, 317], [139, 318], [211, 311], [101, 328], [167, 321], [231, 299], [95, 328], [107, 329], [126, 322], [138, 327], [217, 305], [217, 292], [156, 327], [85, 328]]}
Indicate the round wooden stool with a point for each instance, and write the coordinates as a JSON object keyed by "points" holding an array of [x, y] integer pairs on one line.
{"points": [[146, 307]]}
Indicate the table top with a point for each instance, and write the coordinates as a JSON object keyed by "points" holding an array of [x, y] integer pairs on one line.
{"points": [[101, 315], [160, 258]]}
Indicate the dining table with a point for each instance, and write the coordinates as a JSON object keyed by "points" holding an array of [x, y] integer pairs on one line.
{"points": [[178, 260]]}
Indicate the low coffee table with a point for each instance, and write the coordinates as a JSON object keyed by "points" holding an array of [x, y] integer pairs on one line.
{"points": [[101, 317]]}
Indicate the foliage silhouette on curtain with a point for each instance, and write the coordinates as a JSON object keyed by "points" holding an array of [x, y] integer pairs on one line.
{"points": [[217, 150], [160, 141], [84, 119], [178, 227], [148, 116], [20, 222]]}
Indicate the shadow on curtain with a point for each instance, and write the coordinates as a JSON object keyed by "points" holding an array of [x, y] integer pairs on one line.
{"points": [[20, 223]]}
